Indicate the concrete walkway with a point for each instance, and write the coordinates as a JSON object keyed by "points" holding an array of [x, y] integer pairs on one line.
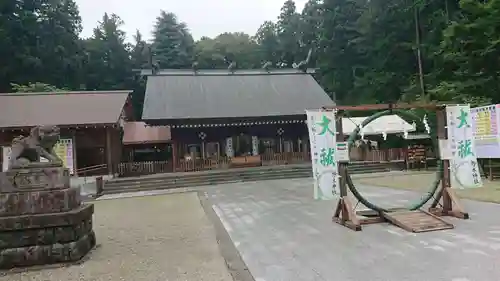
{"points": [[282, 234], [149, 238]]}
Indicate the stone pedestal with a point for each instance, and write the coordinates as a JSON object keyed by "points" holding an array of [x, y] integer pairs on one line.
{"points": [[42, 218]]}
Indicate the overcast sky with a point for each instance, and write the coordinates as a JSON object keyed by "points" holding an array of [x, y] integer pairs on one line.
{"points": [[204, 17]]}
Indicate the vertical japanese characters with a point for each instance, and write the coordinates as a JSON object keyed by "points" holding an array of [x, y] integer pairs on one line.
{"points": [[322, 136], [463, 162]]}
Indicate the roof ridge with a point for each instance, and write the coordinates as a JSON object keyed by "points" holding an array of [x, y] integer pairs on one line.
{"points": [[225, 72], [65, 93]]}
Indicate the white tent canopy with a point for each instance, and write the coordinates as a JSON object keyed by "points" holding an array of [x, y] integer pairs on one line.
{"points": [[389, 124]]}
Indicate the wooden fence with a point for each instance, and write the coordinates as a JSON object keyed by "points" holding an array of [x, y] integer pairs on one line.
{"points": [[270, 159], [194, 165], [131, 169]]}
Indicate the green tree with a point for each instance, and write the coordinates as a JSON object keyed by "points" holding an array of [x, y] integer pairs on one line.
{"points": [[268, 42], [39, 42], [385, 49], [340, 58], [173, 44], [140, 52], [108, 64], [36, 87], [237, 46], [469, 49], [289, 34]]}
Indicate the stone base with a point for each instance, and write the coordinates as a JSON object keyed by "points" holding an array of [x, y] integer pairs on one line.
{"points": [[47, 254], [46, 238], [39, 201], [39, 176]]}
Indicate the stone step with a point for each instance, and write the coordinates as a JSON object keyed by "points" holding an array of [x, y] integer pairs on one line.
{"points": [[205, 180], [181, 185], [172, 181], [173, 177]]}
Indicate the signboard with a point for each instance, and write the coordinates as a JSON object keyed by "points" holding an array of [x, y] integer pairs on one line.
{"points": [[342, 152], [486, 120], [322, 137], [464, 170], [5, 157], [63, 149]]}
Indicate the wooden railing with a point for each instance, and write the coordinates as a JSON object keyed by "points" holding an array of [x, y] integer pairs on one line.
{"points": [[100, 169], [194, 165], [268, 159], [383, 155], [285, 158], [130, 169]]}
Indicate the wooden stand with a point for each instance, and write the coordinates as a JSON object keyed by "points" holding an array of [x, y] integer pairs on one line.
{"points": [[345, 214], [415, 221], [447, 198], [450, 204]]}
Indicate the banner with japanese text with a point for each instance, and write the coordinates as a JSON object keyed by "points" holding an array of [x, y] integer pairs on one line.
{"points": [[464, 169], [321, 125]]}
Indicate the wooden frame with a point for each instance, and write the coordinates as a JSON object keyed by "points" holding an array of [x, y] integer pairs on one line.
{"points": [[345, 213]]}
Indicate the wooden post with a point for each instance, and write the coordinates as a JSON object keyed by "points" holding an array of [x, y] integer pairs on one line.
{"points": [[174, 156], [75, 162], [108, 151], [490, 170], [450, 205], [344, 213]]}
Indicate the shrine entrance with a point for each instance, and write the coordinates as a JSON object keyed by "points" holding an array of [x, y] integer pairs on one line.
{"points": [[243, 145]]}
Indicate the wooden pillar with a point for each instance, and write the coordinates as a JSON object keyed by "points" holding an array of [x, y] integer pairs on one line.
{"points": [[490, 170], [75, 162], [342, 166], [443, 135], [450, 205], [108, 151], [344, 212], [174, 155]]}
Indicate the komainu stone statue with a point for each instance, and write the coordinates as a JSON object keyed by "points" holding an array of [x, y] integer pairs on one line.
{"points": [[42, 217], [40, 143]]}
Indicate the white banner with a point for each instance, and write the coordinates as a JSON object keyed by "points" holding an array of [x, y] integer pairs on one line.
{"points": [[229, 147], [322, 138], [255, 145], [464, 170], [5, 157]]}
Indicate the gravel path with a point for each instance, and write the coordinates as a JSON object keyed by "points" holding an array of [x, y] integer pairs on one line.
{"points": [[152, 238]]}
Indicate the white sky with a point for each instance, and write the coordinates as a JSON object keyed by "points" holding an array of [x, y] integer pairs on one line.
{"points": [[203, 17]]}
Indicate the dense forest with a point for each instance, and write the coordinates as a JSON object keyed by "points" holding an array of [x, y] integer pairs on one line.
{"points": [[366, 50]]}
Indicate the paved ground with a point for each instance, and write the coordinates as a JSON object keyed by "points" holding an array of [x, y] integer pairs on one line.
{"points": [[153, 238], [282, 234]]}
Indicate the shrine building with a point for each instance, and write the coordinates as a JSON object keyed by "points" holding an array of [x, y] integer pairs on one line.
{"points": [[224, 118], [91, 124]]}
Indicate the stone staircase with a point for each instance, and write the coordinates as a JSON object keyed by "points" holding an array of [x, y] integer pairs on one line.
{"points": [[192, 179]]}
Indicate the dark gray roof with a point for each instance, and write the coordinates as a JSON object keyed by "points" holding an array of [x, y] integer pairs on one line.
{"points": [[238, 95]]}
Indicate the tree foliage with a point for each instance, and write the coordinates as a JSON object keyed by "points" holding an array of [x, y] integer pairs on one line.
{"points": [[366, 51], [36, 87]]}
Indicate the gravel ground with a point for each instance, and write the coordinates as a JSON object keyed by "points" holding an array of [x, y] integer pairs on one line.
{"points": [[152, 238], [422, 181]]}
